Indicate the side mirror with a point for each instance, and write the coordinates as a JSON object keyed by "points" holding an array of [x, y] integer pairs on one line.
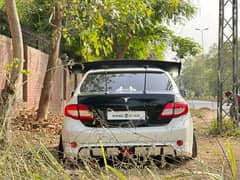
{"points": [[183, 92]]}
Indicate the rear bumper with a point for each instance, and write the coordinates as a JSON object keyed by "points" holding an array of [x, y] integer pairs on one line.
{"points": [[139, 150], [161, 140]]}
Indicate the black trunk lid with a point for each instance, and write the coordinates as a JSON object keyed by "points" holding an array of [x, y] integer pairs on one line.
{"points": [[128, 106]]}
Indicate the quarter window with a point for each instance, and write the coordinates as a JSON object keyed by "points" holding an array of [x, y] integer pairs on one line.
{"points": [[158, 82]]}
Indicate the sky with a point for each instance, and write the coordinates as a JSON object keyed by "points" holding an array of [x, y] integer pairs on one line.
{"points": [[206, 17]]}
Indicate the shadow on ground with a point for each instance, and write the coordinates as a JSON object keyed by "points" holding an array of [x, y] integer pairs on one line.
{"points": [[119, 162]]}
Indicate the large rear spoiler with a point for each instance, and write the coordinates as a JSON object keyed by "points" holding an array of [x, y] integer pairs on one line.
{"points": [[164, 65]]}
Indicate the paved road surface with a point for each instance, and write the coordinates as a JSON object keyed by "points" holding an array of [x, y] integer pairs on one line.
{"points": [[197, 104]]}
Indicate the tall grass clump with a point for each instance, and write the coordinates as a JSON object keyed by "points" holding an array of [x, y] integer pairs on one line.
{"points": [[27, 161], [233, 165], [228, 128], [17, 163]]}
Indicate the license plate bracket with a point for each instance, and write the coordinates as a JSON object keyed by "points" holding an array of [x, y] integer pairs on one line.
{"points": [[126, 115]]}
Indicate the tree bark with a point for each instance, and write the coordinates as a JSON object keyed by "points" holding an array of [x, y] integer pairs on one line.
{"points": [[12, 84], [52, 63], [123, 50]]}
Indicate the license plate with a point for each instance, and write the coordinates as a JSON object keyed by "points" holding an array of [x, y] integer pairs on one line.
{"points": [[126, 115]]}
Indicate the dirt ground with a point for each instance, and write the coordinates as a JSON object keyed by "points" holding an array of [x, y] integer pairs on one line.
{"points": [[212, 150]]}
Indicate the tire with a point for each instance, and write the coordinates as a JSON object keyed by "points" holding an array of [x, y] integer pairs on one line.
{"points": [[194, 147], [60, 152]]}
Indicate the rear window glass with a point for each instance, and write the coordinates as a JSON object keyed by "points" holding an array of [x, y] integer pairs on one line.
{"points": [[157, 82], [94, 83], [126, 82]]}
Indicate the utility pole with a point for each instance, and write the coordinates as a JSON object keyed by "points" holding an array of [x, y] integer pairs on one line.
{"points": [[227, 43]]}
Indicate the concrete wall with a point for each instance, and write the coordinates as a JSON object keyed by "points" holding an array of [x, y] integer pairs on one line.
{"points": [[36, 63], [57, 102], [5, 58]]}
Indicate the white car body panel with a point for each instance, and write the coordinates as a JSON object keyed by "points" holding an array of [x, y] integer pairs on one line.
{"points": [[180, 128]]}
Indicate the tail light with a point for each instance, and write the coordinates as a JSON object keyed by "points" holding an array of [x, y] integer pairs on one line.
{"points": [[78, 112], [73, 144], [174, 110], [179, 142]]}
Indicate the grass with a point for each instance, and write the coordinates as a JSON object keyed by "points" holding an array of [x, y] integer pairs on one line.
{"points": [[206, 98], [16, 163], [232, 160], [28, 161], [195, 112], [229, 128]]}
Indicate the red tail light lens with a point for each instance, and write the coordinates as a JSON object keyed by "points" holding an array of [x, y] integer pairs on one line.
{"points": [[174, 110], [73, 144], [78, 112], [179, 142]]}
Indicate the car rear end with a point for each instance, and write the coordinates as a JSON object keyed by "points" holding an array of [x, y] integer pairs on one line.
{"points": [[133, 110]]}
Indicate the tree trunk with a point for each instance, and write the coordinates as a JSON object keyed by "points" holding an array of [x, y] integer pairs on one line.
{"points": [[122, 50], [52, 63], [12, 84]]}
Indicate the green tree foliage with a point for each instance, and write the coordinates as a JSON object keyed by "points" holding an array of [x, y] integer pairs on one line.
{"points": [[114, 28], [34, 15], [199, 74], [184, 47], [195, 77], [137, 29]]}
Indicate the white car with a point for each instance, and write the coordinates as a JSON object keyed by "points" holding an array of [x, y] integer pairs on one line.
{"points": [[132, 107]]}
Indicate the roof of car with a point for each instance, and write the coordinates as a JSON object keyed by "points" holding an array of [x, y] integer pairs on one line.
{"points": [[164, 65]]}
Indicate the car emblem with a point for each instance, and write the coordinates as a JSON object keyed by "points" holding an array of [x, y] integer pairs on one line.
{"points": [[126, 99]]}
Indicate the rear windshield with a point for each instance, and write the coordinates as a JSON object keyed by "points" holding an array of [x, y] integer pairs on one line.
{"points": [[126, 82]]}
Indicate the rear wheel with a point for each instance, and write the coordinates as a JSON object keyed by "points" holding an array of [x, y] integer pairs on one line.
{"points": [[194, 147], [60, 149]]}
